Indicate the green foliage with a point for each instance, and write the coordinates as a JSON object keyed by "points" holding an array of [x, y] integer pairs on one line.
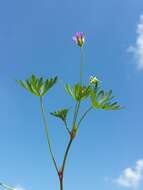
{"points": [[99, 99], [103, 100], [78, 92], [62, 114], [37, 86]]}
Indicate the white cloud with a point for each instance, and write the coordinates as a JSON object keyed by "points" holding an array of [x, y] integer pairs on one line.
{"points": [[131, 177], [137, 49]]}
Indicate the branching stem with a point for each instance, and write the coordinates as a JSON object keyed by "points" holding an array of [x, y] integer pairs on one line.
{"points": [[72, 135]]}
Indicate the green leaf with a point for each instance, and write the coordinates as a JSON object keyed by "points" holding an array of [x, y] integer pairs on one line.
{"points": [[100, 94], [39, 83], [47, 85], [78, 92], [37, 86], [62, 114], [103, 100], [32, 88], [69, 90]]}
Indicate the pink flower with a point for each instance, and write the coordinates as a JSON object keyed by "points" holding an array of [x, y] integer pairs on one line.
{"points": [[79, 39]]}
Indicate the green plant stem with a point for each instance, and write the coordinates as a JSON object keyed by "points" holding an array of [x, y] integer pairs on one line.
{"points": [[77, 106], [83, 116], [75, 110], [67, 127], [81, 65], [61, 184], [66, 154], [64, 162], [47, 134]]}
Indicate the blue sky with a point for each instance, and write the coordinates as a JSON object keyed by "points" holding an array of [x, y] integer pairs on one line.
{"points": [[36, 37]]}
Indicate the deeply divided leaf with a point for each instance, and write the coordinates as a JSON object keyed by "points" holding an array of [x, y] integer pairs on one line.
{"points": [[37, 86]]}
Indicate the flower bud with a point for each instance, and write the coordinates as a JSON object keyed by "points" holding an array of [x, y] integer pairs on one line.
{"points": [[93, 80], [79, 39]]}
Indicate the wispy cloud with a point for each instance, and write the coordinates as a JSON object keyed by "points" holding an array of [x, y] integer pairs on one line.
{"points": [[137, 49], [131, 177]]}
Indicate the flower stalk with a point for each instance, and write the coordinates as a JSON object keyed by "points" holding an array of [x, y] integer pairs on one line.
{"points": [[81, 65]]}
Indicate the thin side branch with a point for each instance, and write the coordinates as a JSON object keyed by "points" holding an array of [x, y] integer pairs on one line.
{"points": [[83, 116], [47, 134]]}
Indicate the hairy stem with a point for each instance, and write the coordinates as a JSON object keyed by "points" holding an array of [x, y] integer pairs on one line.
{"points": [[47, 134]]}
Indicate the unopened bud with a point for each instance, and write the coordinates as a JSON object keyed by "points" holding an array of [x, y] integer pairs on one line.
{"points": [[93, 80]]}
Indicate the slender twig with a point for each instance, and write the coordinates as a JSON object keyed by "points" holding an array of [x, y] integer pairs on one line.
{"points": [[47, 134], [83, 116]]}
